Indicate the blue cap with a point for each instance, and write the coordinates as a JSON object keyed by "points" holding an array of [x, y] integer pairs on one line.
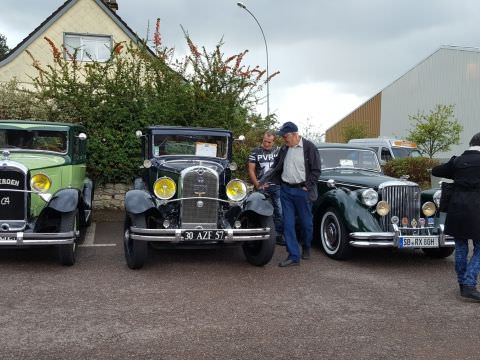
{"points": [[288, 127]]}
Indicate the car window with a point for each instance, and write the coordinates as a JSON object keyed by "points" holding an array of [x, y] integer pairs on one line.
{"points": [[195, 145], [34, 140], [385, 155], [349, 158], [401, 152]]}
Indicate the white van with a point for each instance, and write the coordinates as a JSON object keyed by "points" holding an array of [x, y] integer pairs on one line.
{"points": [[388, 149]]}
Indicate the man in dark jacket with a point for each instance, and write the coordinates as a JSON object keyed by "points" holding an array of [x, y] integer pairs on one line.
{"points": [[463, 218], [296, 169]]}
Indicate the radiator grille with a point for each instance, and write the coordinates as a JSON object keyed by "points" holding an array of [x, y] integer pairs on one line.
{"points": [[12, 203], [404, 201], [199, 182]]}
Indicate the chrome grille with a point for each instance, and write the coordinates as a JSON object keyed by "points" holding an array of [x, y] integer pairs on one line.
{"points": [[199, 182], [13, 196], [404, 200]]}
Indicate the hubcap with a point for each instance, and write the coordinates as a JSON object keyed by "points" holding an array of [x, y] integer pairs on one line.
{"points": [[330, 233]]}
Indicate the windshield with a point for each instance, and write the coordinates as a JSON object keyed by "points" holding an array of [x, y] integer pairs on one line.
{"points": [[349, 159], [195, 145], [401, 152], [44, 140]]}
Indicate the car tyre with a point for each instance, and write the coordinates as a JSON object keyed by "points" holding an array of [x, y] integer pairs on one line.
{"points": [[439, 253], [334, 236], [135, 250], [259, 253], [67, 252]]}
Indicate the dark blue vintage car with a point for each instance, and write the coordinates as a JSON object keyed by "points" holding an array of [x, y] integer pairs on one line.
{"points": [[358, 206], [185, 197]]}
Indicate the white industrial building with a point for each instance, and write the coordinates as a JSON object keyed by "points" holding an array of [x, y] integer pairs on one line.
{"points": [[451, 75]]}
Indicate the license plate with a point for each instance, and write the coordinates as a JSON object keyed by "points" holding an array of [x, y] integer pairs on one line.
{"points": [[8, 238], [203, 235], [418, 242]]}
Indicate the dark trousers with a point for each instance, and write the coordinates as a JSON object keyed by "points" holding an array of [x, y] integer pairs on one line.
{"points": [[296, 205], [273, 192], [467, 271]]}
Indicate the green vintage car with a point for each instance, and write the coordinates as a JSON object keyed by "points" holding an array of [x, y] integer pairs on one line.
{"points": [[45, 195], [358, 206]]}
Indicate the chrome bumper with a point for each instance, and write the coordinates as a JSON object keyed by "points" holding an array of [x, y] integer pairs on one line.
{"points": [[391, 239], [26, 238], [175, 235]]}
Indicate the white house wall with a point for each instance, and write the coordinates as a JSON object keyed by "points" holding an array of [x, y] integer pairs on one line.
{"points": [[449, 76]]}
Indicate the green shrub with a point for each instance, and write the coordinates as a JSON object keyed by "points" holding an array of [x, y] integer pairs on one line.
{"points": [[416, 168], [135, 89]]}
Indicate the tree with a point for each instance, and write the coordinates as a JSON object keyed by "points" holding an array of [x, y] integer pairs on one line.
{"points": [[135, 89], [437, 131], [354, 131], [3, 46]]}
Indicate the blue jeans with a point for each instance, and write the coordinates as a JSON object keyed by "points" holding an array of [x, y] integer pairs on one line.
{"points": [[296, 205], [273, 192], [467, 271]]}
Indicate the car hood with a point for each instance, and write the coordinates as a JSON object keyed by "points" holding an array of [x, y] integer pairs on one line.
{"points": [[358, 178], [35, 161]]}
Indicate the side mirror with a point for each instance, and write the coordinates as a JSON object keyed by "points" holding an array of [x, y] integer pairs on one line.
{"points": [[382, 162], [138, 134], [82, 136]]}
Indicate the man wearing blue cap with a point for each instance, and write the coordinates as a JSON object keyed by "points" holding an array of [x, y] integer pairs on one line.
{"points": [[296, 169]]}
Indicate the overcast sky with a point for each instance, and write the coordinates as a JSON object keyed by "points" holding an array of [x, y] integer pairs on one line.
{"points": [[332, 54]]}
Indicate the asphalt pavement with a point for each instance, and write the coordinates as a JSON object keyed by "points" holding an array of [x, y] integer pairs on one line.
{"points": [[211, 304]]}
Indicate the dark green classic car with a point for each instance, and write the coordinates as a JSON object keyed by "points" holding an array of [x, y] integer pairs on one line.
{"points": [[45, 195], [358, 206]]}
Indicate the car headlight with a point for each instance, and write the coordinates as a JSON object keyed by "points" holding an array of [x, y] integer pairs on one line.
{"points": [[369, 197], [40, 182], [429, 209], [164, 188], [383, 208], [236, 190], [436, 197]]}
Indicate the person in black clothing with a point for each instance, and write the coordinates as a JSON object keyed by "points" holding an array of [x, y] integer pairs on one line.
{"points": [[296, 169], [259, 162], [463, 218]]}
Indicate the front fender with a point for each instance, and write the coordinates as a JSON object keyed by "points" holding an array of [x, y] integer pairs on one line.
{"points": [[65, 200], [258, 203], [357, 217], [138, 201]]}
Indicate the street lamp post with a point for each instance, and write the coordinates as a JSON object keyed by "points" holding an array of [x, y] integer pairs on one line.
{"points": [[242, 5]]}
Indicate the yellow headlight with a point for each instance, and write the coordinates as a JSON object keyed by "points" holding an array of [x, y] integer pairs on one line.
{"points": [[40, 182], [429, 209], [164, 188], [236, 190], [383, 208]]}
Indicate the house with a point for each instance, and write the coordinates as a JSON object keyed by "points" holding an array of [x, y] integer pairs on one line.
{"points": [[91, 26], [449, 76]]}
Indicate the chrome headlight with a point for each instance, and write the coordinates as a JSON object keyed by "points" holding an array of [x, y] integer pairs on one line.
{"points": [[383, 208], [429, 209], [164, 188], [236, 190], [40, 183], [369, 197], [436, 197]]}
